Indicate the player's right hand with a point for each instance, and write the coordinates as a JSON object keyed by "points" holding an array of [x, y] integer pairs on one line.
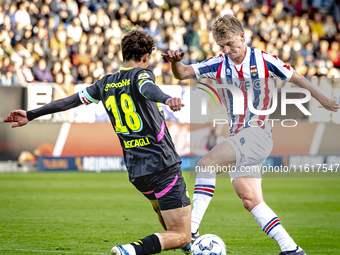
{"points": [[18, 116], [174, 56], [331, 104], [174, 103]]}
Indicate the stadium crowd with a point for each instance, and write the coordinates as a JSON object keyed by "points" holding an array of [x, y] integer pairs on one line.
{"points": [[70, 42]]}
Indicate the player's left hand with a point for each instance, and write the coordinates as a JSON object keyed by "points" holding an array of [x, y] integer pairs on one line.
{"points": [[331, 104], [174, 103], [18, 116]]}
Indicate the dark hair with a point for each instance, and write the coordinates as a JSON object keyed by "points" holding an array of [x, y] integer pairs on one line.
{"points": [[136, 44]]}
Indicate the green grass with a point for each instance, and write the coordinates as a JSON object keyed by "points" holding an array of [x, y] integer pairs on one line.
{"points": [[88, 213]]}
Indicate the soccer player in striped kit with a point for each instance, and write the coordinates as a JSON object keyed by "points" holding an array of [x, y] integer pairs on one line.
{"points": [[247, 146]]}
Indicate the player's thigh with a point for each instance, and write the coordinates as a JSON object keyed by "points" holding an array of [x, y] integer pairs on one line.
{"points": [[222, 154], [167, 187]]}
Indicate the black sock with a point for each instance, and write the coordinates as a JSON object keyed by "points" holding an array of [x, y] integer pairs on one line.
{"points": [[147, 245]]}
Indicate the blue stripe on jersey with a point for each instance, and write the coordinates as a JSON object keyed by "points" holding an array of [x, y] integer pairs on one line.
{"points": [[275, 70], [87, 95], [209, 69], [256, 92], [229, 94]]}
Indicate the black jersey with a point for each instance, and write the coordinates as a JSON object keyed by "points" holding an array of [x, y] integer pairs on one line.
{"points": [[138, 121]]}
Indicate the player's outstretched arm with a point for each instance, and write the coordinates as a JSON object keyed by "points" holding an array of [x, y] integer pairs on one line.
{"points": [[22, 117], [179, 70], [330, 104], [18, 116]]}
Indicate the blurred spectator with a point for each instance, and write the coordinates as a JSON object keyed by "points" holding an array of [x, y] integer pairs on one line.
{"points": [[329, 27], [111, 10], [52, 57], [305, 35], [191, 38], [72, 10], [41, 72], [84, 18], [153, 30], [308, 53], [51, 26], [59, 7], [103, 19], [315, 39], [99, 71], [27, 69], [82, 57], [68, 68], [8, 79], [74, 30], [42, 38], [21, 17], [11, 13], [82, 73], [27, 37], [59, 41], [252, 25], [334, 54], [322, 52], [56, 68], [317, 25], [38, 52]]}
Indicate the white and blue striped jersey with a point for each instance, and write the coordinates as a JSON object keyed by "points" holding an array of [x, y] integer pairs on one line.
{"points": [[254, 75]]}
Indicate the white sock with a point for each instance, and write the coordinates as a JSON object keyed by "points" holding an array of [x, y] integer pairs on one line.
{"points": [[271, 225], [129, 248], [203, 193]]}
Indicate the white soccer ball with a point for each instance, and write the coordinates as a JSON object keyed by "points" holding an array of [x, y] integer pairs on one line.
{"points": [[208, 244]]}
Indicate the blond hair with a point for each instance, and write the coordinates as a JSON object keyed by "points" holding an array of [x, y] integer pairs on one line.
{"points": [[225, 26]]}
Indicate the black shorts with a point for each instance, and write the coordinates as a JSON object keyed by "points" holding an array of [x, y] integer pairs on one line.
{"points": [[167, 187]]}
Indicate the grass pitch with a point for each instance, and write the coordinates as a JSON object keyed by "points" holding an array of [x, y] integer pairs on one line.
{"points": [[89, 213]]}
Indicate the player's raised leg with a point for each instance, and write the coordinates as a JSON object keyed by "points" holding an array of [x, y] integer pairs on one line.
{"points": [[221, 155], [250, 191]]}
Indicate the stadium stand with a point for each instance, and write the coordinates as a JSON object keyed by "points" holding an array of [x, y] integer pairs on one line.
{"points": [[78, 41]]}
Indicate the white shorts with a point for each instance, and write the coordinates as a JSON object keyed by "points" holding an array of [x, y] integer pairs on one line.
{"points": [[252, 146]]}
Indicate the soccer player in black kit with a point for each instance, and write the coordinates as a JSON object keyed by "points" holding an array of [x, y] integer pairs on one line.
{"points": [[132, 99]]}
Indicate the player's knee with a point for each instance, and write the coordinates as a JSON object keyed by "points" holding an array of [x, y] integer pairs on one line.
{"points": [[185, 238], [249, 204]]}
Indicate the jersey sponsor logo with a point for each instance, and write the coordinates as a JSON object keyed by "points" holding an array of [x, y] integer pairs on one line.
{"points": [[123, 83], [136, 143], [143, 76], [228, 71], [253, 71]]}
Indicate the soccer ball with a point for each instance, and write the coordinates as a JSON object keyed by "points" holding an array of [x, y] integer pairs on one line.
{"points": [[208, 244]]}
